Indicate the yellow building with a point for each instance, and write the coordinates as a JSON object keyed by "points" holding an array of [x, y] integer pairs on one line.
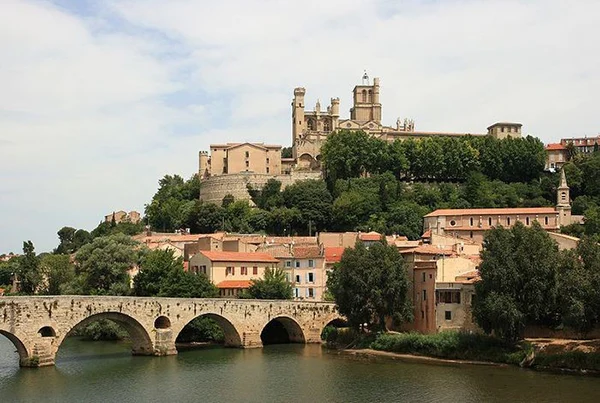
{"points": [[231, 272]]}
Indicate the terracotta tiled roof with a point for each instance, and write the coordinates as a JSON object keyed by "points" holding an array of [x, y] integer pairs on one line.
{"points": [[370, 236], [333, 254], [426, 234], [555, 147], [277, 250], [492, 211], [307, 251], [468, 278], [239, 257], [428, 250], [234, 284]]}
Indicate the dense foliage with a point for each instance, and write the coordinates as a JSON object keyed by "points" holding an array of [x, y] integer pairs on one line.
{"points": [[526, 280], [370, 285], [274, 285]]}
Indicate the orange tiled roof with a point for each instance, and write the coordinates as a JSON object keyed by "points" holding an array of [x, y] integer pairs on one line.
{"points": [[276, 250], [307, 251], [234, 284], [428, 250], [555, 147], [492, 211], [426, 234], [239, 257], [370, 236], [333, 254]]}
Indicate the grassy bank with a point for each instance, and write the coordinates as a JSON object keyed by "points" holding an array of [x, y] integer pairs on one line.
{"points": [[575, 360], [452, 345]]}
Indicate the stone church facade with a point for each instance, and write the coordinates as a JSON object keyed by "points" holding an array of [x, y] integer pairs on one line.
{"points": [[231, 166]]}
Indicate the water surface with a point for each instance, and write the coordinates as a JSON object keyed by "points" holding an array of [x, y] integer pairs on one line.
{"points": [[106, 372]]}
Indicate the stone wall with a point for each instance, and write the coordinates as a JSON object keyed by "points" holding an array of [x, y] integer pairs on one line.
{"points": [[38, 325], [215, 188]]}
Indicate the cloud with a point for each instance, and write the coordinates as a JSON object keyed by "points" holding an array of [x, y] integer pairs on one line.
{"points": [[99, 100]]}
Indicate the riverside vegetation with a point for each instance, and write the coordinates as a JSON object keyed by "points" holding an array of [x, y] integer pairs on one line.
{"points": [[406, 181]]}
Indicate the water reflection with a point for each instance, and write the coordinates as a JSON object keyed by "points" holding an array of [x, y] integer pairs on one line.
{"points": [[103, 371]]}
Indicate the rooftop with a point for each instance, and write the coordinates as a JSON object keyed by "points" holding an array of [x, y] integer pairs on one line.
{"points": [[234, 284], [333, 254], [239, 257], [555, 147], [492, 211]]}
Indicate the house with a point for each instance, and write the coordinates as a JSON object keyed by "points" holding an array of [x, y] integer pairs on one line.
{"points": [[556, 156], [231, 272]]}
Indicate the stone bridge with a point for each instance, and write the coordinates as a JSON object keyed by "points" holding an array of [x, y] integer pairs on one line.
{"points": [[37, 325]]}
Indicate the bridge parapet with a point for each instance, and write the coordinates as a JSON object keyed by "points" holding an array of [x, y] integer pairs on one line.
{"points": [[37, 325]]}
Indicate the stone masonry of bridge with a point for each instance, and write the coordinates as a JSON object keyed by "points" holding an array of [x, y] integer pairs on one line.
{"points": [[37, 325]]}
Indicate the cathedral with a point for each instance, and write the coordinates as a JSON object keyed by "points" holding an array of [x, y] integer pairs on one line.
{"points": [[311, 128]]}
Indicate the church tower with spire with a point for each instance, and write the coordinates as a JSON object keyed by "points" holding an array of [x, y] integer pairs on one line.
{"points": [[563, 200]]}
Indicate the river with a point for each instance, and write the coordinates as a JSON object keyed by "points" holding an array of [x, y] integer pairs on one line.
{"points": [[106, 372]]}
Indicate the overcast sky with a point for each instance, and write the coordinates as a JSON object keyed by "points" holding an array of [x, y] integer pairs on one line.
{"points": [[100, 99]]}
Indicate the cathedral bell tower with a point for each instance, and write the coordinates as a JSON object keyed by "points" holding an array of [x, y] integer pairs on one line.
{"points": [[563, 201], [366, 104]]}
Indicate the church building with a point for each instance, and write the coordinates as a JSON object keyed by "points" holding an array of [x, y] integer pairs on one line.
{"points": [[473, 223]]}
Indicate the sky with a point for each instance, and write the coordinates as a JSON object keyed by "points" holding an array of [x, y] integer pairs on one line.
{"points": [[100, 99]]}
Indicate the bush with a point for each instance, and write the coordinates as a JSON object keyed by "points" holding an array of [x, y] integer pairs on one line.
{"points": [[571, 359], [451, 345], [201, 330], [101, 330]]}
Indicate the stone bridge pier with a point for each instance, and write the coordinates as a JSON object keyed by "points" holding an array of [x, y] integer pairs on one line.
{"points": [[37, 325]]}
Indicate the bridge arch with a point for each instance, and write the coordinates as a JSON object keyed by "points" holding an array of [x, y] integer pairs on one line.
{"points": [[24, 354], [231, 333], [141, 342], [282, 329]]}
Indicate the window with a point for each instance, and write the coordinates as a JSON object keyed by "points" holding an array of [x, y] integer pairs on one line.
{"points": [[247, 154], [370, 96], [296, 292], [471, 234], [202, 269], [244, 271], [364, 95], [229, 271], [448, 315], [471, 221], [546, 220], [326, 126], [298, 278], [431, 276], [311, 277], [255, 270], [423, 276], [288, 263], [490, 221], [507, 220], [297, 263], [448, 297], [267, 169], [310, 293], [267, 160], [311, 263], [194, 269], [247, 164], [422, 314], [526, 220], [424, 295], [452, 223]]}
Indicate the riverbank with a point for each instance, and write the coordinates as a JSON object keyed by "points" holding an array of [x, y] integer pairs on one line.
{"points": [[456, 348]]}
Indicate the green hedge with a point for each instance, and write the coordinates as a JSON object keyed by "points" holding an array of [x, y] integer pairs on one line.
{"points": [[452, 345], [571, 360]]}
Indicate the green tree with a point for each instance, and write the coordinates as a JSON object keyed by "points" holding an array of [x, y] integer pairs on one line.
{"points": [[579, 283], [29, 273], [268, 197], [154, 268], [57, 271], [370, 284], [314, 202], [183, 284], [104, 264], [273, 286], [519, 274], [346, 154]]}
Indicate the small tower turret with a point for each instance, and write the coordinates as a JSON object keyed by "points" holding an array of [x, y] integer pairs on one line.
{"points": [[298, 124], [563, 200]]}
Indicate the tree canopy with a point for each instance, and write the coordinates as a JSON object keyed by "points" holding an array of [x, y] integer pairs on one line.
{"points": [[274, 285], [371, 284]]}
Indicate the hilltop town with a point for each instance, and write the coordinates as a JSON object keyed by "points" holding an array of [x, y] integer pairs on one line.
{"points": [[254, 206]]}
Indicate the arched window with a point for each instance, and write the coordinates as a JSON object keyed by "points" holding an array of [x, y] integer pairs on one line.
{"points": [[311, 124], [364, 95], [326, 125], [370, 96]]}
